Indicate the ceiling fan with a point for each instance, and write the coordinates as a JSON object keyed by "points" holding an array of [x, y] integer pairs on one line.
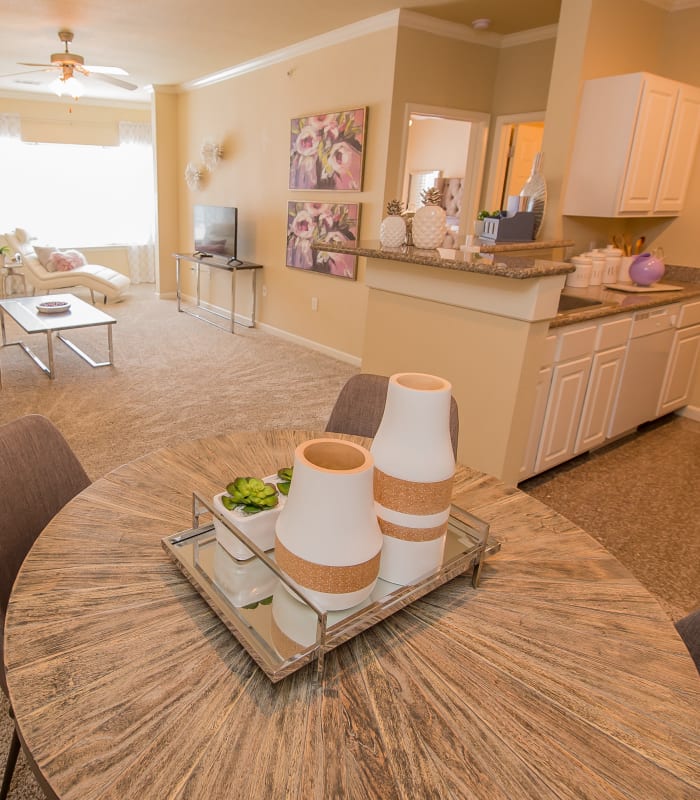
{"points": [[68, 63]]}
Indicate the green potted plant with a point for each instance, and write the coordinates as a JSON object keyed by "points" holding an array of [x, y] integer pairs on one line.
{"points": [[4, 253]]}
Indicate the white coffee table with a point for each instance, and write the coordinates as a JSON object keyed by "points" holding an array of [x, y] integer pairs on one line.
{"points": [[23, 310]]}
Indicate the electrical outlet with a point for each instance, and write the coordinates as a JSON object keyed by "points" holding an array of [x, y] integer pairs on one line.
{"points": [[264, 291], [314, 303]]}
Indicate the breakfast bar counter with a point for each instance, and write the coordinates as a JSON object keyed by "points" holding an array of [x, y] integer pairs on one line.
{"points": [[559, 677]]}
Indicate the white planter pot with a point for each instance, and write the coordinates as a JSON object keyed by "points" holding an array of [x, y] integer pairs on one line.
{"points": [[429, 227], [244, 582], [414, 471], [327, 536]]}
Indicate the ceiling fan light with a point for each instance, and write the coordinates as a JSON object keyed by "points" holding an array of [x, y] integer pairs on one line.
{"points": [[68, 86]]}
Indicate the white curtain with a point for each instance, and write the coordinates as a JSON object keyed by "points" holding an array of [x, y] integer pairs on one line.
{"points": [[141, 255]]}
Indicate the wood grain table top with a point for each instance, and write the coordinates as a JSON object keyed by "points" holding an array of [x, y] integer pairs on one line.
{"points": [[560, 677]]}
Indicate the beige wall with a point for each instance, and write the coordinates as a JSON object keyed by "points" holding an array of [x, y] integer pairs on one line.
{"points": [[438, 144], [251, 115]]}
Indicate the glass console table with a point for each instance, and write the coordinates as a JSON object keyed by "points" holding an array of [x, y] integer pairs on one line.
{"points": [[233, 266]]}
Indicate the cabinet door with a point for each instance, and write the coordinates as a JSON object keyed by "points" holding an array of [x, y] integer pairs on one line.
{"points": [[682, 143], [563, 412], [648, 146], [544, 380], [600, 395], [681, 370]]}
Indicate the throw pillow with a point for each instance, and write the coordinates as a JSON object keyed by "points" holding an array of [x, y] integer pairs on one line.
{"points": [[44, 253], [65, 261]]}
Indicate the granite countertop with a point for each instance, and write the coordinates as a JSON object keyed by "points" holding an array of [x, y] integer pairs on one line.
{"points": [[498, 263], [617, 302]]}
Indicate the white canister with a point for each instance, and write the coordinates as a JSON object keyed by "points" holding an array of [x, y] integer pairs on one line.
{"points": [[623, 274], [327, 538], [613, 255], [580, 278], [597, 268], [414, 471]]}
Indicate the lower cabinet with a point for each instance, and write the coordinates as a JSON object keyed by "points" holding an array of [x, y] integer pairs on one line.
{"points": [[600, 397], [566, 397], [685, 351]]}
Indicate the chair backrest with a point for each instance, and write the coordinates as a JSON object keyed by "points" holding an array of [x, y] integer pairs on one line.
{"points": [[689, 630], [40, 474], [360, 407]]}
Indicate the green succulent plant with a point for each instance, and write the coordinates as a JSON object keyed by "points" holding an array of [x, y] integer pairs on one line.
{"points": [[251, 495]]}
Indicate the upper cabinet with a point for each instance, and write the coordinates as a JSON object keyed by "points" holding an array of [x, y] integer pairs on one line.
{"points": [[635, 143]]}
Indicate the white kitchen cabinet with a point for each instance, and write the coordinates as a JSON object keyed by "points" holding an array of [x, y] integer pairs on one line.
{"points": [[683, 361], [600, 395], [635, 142], [563, 412], [544, 380]]}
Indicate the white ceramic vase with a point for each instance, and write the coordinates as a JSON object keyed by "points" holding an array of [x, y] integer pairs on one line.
{"points": [[327, 537], [429, 227], [414, 471], [392, 231]]}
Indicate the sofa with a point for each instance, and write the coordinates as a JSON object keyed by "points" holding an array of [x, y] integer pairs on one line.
{"points": [[108, 282]]}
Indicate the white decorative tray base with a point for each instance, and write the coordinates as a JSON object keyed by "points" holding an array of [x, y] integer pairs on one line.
{"points": [[281, 633]]}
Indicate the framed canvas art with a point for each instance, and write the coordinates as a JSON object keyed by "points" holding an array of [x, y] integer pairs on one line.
{"points": [[327, 151], [322, 222]]}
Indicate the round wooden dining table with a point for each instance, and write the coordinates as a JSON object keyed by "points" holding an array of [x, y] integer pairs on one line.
{"points": [[559, 677]]}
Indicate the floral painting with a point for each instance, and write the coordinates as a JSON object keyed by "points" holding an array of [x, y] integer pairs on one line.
{"points": [[322, 222], [327, 151]]}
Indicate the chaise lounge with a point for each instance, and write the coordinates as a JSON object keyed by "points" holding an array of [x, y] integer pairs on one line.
{"points": [[96, 278]]}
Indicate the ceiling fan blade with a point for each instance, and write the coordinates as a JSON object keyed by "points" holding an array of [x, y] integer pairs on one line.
{"points": [[25, 72], [106, 70], [29, 64], [114, 81]]}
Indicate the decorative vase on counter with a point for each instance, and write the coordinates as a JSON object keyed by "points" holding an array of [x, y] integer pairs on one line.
{"points": [[327, 538], [535, 190], [392, 232], [429, 222], [413, 475], [647, 268]]}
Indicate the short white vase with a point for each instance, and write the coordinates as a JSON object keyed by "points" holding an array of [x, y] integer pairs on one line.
{"points": [[414, 471], [429, 227], [392, 231], [327, 538]]}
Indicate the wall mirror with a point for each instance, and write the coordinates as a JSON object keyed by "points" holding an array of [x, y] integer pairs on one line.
{"points": [[444, 147]]}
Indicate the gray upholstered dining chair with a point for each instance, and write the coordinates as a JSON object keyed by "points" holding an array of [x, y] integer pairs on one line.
{"points": [[689, 630], [40, 474], [360, 405]]}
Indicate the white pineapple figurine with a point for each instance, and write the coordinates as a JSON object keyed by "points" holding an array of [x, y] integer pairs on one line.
{"points": [[392, 232], [429, 224]]}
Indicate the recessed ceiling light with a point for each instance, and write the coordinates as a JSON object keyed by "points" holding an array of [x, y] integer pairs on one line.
{"points": [[481, 24]]}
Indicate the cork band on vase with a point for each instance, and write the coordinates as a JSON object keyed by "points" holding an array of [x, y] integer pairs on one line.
{"points": [[411, 497], [325, 578], [412, 534]]}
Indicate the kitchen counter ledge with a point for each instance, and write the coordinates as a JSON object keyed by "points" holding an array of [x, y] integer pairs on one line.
{"points": [[503, 266], [616, 302]]}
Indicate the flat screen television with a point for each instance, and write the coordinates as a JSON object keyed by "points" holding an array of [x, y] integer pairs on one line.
{"points": [[216, 231]]}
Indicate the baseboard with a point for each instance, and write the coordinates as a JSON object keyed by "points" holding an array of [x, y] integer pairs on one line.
{"points": [[356, 361], [166, 295], [311, 345], [691, 412]]}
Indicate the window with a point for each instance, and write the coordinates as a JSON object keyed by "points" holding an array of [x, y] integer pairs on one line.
{"points": [[78, 195]]}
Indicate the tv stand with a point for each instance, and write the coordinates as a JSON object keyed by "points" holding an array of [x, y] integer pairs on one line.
{"points": [[231, 265]]}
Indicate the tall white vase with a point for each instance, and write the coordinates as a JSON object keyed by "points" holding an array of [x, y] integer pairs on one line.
{"points": [[429, 227], [414, 471], [327, 538]]}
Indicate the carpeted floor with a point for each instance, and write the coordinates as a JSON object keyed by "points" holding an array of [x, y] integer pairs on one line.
{"points": [[178, 378]]}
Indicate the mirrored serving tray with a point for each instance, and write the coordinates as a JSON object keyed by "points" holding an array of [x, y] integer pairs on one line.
{"points": [[280, 629]]}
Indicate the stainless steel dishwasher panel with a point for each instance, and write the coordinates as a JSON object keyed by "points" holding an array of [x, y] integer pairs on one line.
{"points": [[643, 372]]}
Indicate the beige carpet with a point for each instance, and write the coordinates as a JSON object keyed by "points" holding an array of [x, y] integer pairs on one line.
{"points": [[178, 378]]}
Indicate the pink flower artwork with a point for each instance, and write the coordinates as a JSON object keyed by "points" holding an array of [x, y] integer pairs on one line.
{"points": [[322, 222], [327, 151]]}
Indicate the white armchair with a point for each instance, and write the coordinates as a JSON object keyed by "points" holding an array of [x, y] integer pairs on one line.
{"points": [[94, 277]]}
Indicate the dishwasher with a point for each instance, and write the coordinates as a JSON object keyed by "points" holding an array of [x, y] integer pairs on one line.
{"points": [[644, 368]]}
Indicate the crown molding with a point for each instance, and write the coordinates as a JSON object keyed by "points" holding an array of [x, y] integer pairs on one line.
{"points": [[532, 35], [674, 5], [379, 22], [450, 30]]}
